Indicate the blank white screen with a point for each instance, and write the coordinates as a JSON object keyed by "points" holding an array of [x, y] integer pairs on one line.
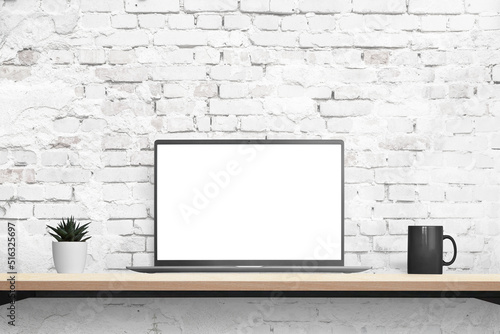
{"points": [[249, 202]]}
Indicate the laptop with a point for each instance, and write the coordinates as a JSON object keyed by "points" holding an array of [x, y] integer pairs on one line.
{"points": [[249, 206]]}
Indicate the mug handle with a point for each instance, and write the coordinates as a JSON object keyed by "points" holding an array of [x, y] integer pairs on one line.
{"points": [[454, 250]]}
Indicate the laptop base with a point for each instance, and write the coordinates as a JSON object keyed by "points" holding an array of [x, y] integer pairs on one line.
{"points": [[248, 269]]}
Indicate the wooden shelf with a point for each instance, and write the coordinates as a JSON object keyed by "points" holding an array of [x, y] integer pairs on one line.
{"points": [[252, 282]]}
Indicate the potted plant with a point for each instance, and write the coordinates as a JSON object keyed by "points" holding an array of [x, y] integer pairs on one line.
{"points": [[70, 249]]}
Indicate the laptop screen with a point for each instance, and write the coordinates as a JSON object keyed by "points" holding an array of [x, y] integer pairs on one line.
{"points": [[248, 202]]}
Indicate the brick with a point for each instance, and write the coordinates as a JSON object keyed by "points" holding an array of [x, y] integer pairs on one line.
{"points": [[293, 23], [207, 56], [237, 22], [115, 192], [460, 194], [291, 106], [181, 38], [95, 92], [372, 227], [4, 157], [367, 192], [124, 21], [117, 141], [482, 6], [14, 73], [6, 192], [174, 90], [122, 74], [461, 22], [179, 73], [357, 244], [180, 106], [144, 226], [180, 124], [346, 108], [115, 158], [225, 124], [142, 158], [91, 57], [318, 92], [54, 158], [205, 89], [202, 123], [253, 123], [12, 175], [59, 192], [313, 125], [401, 193], [267, 22], [256, 6], [401, 176], [140, 108], [152, 21], [120, 227], [62, 175], [67, 124], [321, 6], [122, 174], [429, 7], [283, 6], [121, 56], [456, 210], [208, 21], [321, 23], [210, 6], [101, 6], [270, 38], [325, 39], [233, 57], [57, 211], [61, 57], [489, 22], [130, 38], [91, 125], [181, 21], [368, 6], [235, 107], [282, 124], [30, 193], [24, 158], [233, 90], [400, 210], [143, 191], [152, 6], [381, 40], [390, 244], [236, 73], [434, 23], [17, 211], [94, 20]]}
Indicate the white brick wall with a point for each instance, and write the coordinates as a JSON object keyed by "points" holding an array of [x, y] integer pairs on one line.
{"points": [[413, 87]]}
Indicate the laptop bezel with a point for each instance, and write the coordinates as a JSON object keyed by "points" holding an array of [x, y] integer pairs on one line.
{"points": [[299, 262]]}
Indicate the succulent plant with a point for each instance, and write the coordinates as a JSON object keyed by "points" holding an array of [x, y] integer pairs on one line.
{"points": [[69, 230]]}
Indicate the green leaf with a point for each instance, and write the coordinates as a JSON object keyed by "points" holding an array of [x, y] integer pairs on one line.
{"points": [[56, 237]]}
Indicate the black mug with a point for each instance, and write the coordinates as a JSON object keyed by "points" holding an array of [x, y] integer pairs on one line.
{"points": [[425, 250]]}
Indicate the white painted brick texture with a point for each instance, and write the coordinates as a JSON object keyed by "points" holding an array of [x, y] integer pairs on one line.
{"points": [[412, 87]]}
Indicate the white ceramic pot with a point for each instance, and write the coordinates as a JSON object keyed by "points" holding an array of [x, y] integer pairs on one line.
{"points": [[69, 256]]}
